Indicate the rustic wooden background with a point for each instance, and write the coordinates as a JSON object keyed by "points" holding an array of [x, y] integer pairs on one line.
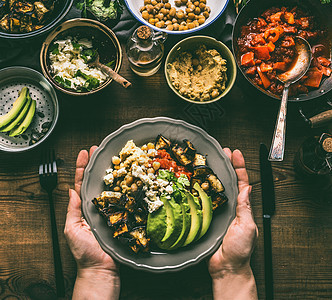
{"points": [[301, 227]]}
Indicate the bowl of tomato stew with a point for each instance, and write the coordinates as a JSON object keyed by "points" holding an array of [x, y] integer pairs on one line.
{"points": [[263, 44]]}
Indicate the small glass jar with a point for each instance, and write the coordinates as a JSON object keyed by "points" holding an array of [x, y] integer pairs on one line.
{"points": [[145, 50]]}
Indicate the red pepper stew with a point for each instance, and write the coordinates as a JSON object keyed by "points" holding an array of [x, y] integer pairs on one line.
{"points": [[168, 163], [267, 48]]}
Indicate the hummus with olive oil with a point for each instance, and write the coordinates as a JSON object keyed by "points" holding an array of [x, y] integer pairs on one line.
{"points": [[199, 76]]}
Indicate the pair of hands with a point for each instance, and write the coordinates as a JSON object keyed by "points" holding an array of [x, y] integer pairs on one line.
{"points": [[233, 255]]}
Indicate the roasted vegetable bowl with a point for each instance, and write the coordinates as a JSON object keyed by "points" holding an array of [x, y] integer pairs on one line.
{"points": [[163, 192]]}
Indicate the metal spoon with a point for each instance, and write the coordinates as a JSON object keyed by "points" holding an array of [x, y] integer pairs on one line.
{"points": [[110, 72], [300, 67]]}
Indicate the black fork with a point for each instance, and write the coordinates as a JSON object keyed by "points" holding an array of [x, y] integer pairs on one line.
{"points": [[48, 177]]}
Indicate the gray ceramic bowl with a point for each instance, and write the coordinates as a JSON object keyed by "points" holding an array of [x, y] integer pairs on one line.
{"points": [[193, 42], [107, 43], [142, 131]]}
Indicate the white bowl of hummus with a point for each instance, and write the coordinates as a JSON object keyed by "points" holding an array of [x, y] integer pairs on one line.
{"points": [[200, 69]]}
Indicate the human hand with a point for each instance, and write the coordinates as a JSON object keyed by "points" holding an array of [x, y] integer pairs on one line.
{"points": [[97, 273], [235, 252]]}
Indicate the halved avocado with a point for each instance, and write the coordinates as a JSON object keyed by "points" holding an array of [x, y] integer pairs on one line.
{"points": [[17, 106], [196, 219], [156, 225], [186, 223], [19, 118], [26, 122], [206, 209], [174, 222]]}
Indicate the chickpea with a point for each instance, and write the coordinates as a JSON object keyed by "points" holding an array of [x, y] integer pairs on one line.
{"points": [[191, 16], [156, 165], [206, 14], [202, 6], [118, 183], [208, 9], [176, 26], [181, 27], [184, 2], [151, 16], [201, 20], [165, 1], [116, 160], [180, 15], [122, 184], [160, 16], [152, 21], [160, 24], [168, 6], [185, 27], [147, 2], [174, 20], [159, 6], [172, 12], [197, 11], [139, 183], [196, 3], [145, 15], [150, 146], [154, 2], [196, 23], [202, 1], [192, 7], [116, 167], [215, 94], [117, 189], [143, 8], [205, 186], [168, 22], [129, 180], [165, 19], [151, 170], [115, 174], [149, 8], [134, 187], [178, 3], [144, 147], [163, 11], [191, 25], [170, 27], [188, 10]]}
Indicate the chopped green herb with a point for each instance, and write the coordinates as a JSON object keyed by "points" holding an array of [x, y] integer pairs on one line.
{"points": [[89, 55], [91, 82], [54, 49], [111, 64], [63, 82]]}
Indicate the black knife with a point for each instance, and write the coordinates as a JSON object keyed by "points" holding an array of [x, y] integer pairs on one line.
{"points": [[268, 198]]}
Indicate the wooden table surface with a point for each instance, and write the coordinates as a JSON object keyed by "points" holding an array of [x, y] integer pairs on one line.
{"points": [[301, 227]]}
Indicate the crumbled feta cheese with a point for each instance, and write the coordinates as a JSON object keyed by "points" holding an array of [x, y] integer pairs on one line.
{"points": [[121, 172], [169, 189], [152, 152], [153, 205], [109, 178]]}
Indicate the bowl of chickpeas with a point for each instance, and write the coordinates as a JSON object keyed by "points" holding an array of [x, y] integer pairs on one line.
{"points": [[176, 16]]}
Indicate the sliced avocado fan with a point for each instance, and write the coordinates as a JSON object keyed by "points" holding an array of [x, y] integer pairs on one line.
{"points": [[186, 222], [17, 106], [26, 122], [207, 211], [19, 118], [156, 224], [196, 219], [174, 222]]}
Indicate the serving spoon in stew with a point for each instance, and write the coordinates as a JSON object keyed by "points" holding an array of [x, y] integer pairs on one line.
{"points": [[299, 67]]}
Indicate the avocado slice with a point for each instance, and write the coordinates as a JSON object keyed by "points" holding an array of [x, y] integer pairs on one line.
{"points": [[196, 219], [17, 106], [186, 223], [26, 122], [174, 222], [19, 118], [156, 225], [206, 209]]}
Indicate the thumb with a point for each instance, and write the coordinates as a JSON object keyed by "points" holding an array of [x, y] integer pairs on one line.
{"points": [[243, 208], [74, 213]]}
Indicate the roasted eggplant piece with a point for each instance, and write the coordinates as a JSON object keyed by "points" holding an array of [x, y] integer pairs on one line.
{"points": [[162, 143], [192, 183], [139, 234], [116, 218], [2, 8], [41, 11], [189, 150], [218, 200], [215, 183], [23, 8], [180, 155], [4, 23], [199, 160], [202, 171], [122, 229]]}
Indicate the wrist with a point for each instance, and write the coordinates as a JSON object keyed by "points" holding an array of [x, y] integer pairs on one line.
{"points": [[230, 271], [96, 283]]}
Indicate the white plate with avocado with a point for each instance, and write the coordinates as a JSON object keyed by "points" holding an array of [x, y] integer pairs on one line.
{"points": [[143, 131]]}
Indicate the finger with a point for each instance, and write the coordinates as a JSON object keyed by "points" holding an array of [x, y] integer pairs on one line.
{"points": [[228, 152], [81, 163], [92, 149], [74, 213], [240, 169], [243, 208]]}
